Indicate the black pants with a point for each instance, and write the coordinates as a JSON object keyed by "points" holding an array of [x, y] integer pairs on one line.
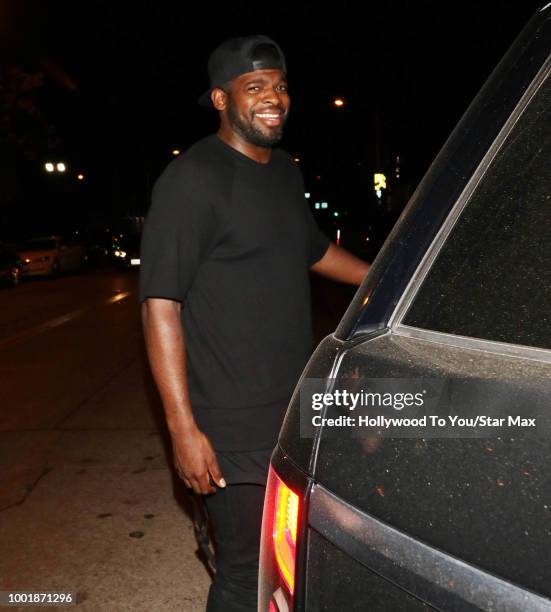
{"points": [[236, 516]]}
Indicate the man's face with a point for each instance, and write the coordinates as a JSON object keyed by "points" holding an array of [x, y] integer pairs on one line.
{"points": [[258, 106]]}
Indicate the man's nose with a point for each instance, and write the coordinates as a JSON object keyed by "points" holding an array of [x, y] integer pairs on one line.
{"points": [[272, 95]]}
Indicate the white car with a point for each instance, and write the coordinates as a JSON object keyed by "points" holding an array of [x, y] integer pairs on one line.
{"points": [[50, 255]]}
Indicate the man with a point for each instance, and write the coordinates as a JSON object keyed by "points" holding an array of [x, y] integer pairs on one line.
{"points": [[224, 286]]}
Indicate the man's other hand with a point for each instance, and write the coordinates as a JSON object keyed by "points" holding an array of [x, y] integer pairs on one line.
{"points": [[340, 265], [194, 460]]}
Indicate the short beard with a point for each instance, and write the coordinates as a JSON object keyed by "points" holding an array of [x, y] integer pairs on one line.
{"points": [[250, 132]]}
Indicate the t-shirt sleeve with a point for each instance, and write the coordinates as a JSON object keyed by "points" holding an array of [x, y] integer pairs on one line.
{"points": [[178, 230]]}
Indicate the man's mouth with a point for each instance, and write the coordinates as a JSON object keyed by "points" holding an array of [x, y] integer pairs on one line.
{"points": [[271, 119]]}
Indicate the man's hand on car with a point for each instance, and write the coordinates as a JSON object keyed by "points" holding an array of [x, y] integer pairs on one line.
{"points": [[195, 460]]}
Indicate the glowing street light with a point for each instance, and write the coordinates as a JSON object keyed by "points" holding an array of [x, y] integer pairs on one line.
{"points": [[61, 167], [176, 152], [49, 167], [338, 102], [80, 177]]}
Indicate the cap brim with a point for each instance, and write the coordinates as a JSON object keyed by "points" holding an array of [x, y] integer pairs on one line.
{"points": [[204, 99]]}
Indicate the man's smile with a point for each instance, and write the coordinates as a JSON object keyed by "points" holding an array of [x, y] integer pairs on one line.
{"points": [[271, 119]]}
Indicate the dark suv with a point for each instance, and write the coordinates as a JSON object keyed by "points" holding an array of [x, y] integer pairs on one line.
{"points": [[461, 291]]}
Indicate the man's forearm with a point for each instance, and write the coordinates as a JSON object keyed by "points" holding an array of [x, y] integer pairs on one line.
{"points": [[194, 457], [340, 265], [164, 339]]}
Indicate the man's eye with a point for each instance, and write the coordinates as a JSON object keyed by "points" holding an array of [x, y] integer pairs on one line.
{"points": [[254, 88]]}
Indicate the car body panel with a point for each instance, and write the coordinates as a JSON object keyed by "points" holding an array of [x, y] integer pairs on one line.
{"points": [[433, 488], [336, 571], [409, 575]]}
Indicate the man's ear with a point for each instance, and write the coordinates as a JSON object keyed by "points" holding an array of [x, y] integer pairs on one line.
{"points": [[219, 98]]}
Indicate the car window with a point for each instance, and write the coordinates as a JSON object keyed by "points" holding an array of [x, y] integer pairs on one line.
{"points": [[492, 278]]}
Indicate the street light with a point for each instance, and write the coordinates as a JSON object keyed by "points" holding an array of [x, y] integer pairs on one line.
{"points": [[57, 167], [338, 102], [176, 152], [80, 177]]}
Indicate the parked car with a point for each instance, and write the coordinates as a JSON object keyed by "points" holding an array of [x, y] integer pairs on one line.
{"points": [[461, 292], [50, 255], [10, 266]]}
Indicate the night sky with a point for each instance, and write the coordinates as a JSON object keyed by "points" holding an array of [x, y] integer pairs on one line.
{"points": [[120, 81]]}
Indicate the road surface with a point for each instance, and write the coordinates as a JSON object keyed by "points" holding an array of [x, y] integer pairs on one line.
{"points": [[89, 502]]}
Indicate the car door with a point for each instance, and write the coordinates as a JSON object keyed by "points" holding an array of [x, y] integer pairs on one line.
{"points": [[456, 520]]}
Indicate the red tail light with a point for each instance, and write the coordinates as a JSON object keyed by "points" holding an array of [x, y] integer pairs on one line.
{"points": [[280, 543], [285, 526]]}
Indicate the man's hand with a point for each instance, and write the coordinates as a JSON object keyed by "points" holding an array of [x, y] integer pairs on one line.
{"points": [[195, 460], [340, 265]]}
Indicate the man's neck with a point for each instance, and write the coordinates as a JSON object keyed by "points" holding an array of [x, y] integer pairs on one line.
{"points": [[262, 155]]}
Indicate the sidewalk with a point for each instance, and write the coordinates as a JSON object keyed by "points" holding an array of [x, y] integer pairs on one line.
{"points": [[93, 508]]}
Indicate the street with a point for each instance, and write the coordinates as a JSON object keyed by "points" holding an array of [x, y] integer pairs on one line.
{"points": [[89, 502]]}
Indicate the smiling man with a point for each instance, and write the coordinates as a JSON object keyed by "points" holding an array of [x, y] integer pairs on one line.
{"points": [[226, 250]]}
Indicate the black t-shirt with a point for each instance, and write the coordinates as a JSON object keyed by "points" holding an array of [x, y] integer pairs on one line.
{"points": [[233, 239]]}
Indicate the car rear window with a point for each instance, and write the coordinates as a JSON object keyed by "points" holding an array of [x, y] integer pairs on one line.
{"points": [[492, 278]]}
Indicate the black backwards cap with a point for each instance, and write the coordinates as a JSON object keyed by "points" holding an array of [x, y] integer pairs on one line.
{"points": [[237, 56]]}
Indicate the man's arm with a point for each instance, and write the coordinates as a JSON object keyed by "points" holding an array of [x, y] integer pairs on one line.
{"points": [[194, 457], [340, 265]]}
